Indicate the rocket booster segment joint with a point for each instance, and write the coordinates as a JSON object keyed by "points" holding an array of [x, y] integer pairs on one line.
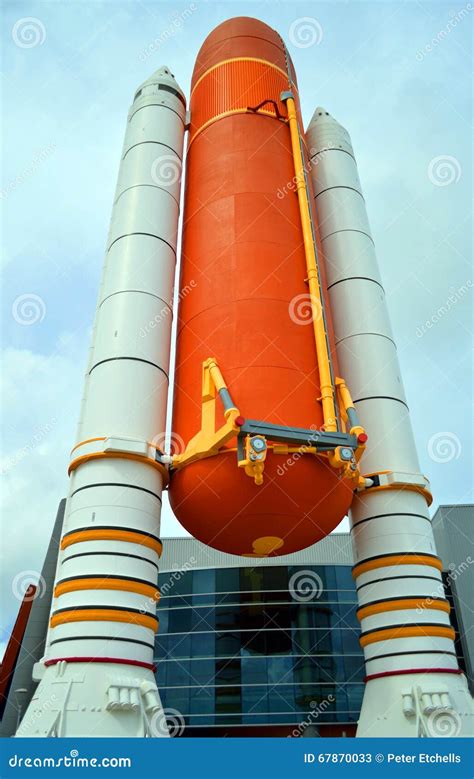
{"points": [[396, 480]]}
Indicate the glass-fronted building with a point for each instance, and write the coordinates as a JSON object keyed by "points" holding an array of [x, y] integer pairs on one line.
{"points": [[270, 646]]}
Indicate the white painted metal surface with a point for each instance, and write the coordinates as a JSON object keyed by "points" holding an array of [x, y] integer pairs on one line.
{"points": [[116, 485], [398, 701]]}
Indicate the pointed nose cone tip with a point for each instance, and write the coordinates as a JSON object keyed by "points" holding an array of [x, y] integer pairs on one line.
{"points": [[163, 75], [321, 115]]}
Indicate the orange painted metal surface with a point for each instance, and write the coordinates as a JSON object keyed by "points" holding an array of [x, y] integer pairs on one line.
{"points": [[12, 651], [243, 260]]}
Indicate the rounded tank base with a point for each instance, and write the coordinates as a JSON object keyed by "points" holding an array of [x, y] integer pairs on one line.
{"points": [[300, 501]]}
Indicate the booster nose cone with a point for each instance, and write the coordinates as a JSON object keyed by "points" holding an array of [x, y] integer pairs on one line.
{"points": [[162, 79], [325, 132]]}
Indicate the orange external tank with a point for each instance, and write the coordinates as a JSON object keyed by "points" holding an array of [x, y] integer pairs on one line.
{"points": [[244, 302]]}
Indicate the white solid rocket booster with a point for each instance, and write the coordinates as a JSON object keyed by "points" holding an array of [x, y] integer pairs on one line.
{"points": [[97, 674], [414, 684]]}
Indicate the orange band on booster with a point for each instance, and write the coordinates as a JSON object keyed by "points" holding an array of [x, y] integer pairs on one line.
{"points": [[403, 603], [104, 615], [389, 560], [414, 631], [105, 534], [107, 583]]}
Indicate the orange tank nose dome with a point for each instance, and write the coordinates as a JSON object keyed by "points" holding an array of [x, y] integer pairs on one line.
{"points": [[243, 264]]}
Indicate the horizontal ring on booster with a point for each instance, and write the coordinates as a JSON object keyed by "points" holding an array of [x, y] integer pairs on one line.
{"points": [[113, 660], [106, 614], [406, 631], [127, 535], [84, 458], [398, 558], [106, 582], [398, 604]]}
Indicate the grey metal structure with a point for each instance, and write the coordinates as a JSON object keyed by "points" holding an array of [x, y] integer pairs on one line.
{"points": [[34, 640], [453, 528]]}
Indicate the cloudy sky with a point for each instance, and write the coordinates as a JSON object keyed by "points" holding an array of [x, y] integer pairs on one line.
{"points": [[396, 74]]}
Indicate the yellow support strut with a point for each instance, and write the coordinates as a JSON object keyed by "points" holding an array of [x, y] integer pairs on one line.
{"points": [[320, 335]]}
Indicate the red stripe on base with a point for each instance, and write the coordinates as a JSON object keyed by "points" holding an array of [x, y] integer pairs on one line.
{"points": [[414, 671], [118, 660]]}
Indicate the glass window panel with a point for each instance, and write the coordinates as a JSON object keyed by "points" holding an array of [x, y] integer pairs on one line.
{"points": [[178, 583], [202, 700], [203, 645], [177, 673], [307, 696], [275, 578], [228, 671], [203, 618], [204, 600], [254, 670], [280, 669], [227, 617], [179, 620], [344, 580], [276, 617], [348, 615], [251, 580], [204, 581], [227, 579], [228, 644], [175, 601], [176, 698], [350, 640], [202, 672], [278, 642], [354, 668], [254, 700], [162, 615], [281, 698], [161, 646], [228, 700], [354, 696], [179, 645]]}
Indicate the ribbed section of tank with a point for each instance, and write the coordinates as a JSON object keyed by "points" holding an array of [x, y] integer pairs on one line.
{"points": [[244, 301]]}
